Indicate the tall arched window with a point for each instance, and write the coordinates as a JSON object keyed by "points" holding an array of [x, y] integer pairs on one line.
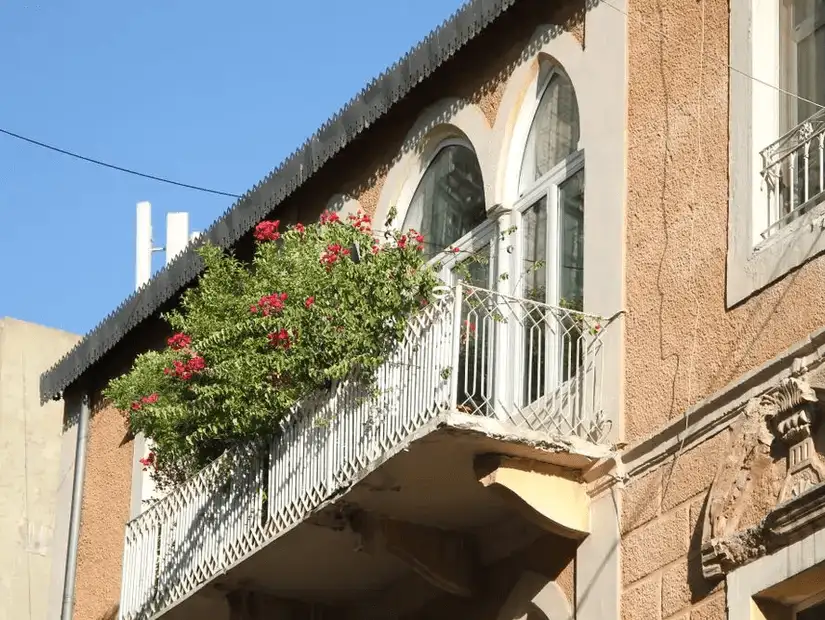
{"points": [[449, 200], [551, 230], [551, 189]]}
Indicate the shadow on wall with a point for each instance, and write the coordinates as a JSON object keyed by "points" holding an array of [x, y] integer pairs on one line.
{"points": [[111, 614]]}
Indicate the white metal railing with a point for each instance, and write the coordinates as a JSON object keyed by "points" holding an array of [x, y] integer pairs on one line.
{"points": [[793, 168], [531, 365]]}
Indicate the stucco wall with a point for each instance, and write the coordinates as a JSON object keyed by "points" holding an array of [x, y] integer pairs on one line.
{"points": [[682, 342], [106, 502], [30, 436]]}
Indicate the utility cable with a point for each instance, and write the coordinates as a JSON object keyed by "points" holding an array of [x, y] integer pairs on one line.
{"points": [[716, 59], [98, 162]]}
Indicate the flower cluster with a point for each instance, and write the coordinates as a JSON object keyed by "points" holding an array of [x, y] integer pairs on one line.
{"points": [[329, 217], [146, 400], [185, 370], [331, 255], [179, 341], [360, 221], [412, 235], [148, 460], [268, 231], [269, 304], [279, 338]]}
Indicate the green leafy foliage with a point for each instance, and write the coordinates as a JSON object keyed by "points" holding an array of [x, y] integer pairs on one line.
{"points": [[317, 304]]}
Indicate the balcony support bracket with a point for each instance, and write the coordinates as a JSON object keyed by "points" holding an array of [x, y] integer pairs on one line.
{"points": [[443, 558], [545, 494]]}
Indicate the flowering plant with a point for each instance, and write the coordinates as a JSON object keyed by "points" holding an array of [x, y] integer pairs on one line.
{"points": [[318, 303]]}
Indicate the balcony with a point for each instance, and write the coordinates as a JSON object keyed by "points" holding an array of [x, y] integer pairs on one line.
{"points": [[477, 372], [793, 168]]}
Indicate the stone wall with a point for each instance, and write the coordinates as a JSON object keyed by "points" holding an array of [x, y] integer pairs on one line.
{"points": [[661, 524]]}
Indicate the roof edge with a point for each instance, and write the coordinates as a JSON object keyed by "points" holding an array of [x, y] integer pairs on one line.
{"points": [[370, 104]]}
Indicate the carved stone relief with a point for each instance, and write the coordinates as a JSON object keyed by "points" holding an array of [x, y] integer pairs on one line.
{"points": [[782, 422]]}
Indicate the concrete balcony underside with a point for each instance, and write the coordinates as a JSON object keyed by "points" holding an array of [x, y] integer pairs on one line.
{"points": [[323, 512], [332, 560]]}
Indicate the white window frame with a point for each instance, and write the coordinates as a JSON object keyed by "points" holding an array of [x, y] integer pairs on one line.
{"points": [[746, 583], [755, 117], [548, 185]]}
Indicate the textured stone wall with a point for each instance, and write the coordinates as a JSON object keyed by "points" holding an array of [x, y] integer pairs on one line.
{"points": [[661, 526]]}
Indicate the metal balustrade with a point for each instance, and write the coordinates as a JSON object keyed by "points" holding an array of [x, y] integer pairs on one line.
{"points": [[528, 364], [793, 168]]}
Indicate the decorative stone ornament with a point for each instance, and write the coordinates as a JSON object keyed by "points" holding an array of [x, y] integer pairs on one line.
{"points": [[787, 415]]}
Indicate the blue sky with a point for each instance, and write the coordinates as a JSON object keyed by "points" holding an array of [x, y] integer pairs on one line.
{"points": [[209, 93]]}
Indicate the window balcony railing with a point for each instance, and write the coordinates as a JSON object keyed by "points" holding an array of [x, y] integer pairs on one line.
{"points": [[473, 351], [793, 168]]}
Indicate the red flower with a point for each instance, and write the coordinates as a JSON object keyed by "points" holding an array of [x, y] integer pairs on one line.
{"points": [[279, 338], [149, 460], [309, 301], [329, 217], [196, 364], [299, 228], [268, 231], [402, 242], [150, 400], [456, 250], [168, 371], [360, 221], [179, 341], [331, 255], [136, 406], [269, 304]]}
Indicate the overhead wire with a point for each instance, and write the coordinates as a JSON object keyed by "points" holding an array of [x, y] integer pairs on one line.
{"points": [[104, 164], [208, 190]]}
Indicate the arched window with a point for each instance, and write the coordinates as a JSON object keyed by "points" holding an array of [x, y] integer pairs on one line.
{"points": [[551, 190], [449, 200], [554, 132], [550, 207]]}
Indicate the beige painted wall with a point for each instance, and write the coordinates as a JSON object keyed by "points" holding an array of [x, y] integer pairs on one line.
{"points": [[30, 437]]}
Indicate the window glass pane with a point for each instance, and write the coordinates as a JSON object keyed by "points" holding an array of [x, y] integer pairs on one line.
{"points": [[534, 257], [809, 35], [571, 221], [554, 133], [817, 612], [449, 200], [534, 276]]}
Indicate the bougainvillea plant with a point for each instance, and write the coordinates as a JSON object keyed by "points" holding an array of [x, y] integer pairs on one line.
{"points": [[318, 303]]}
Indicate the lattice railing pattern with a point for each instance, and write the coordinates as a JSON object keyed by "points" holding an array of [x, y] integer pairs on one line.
{"points": [[457, 354], [793, 168]]}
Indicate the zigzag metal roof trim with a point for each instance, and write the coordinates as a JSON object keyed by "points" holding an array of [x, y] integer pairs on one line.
{"points": [[371, 103]]}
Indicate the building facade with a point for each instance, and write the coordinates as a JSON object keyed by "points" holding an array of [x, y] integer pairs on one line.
{"points": [[655, 166], [32, 473]]}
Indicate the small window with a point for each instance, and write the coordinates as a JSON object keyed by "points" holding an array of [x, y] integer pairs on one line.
{"points": [[449, 200]]}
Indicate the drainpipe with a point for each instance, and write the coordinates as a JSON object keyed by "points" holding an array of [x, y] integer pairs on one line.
{"points": [[74, 518]]}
